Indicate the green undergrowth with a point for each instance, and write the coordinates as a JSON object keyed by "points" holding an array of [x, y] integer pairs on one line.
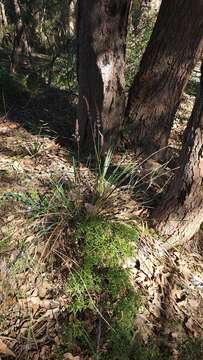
{"points": [[102, 296], [104, 302], [57, 203], [136, 46]]}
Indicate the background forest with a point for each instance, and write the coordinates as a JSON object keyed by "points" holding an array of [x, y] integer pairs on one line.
{"points": [[101, 179]]}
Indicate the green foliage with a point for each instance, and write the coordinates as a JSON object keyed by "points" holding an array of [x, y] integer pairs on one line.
{"points": [[20, 266], [33, 200], [120, 337], [135, 49], [101, 285], [53, 207], [64, 71], [33, 148], [74, 332], [150, 351], [106, 243], [108, 179]]}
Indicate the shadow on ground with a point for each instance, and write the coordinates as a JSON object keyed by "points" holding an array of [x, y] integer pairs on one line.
{"points": [[27, 100], [50, 113]]}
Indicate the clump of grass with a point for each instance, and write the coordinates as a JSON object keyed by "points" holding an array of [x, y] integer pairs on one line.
{"points": [[108, 180], [33, 148], [56, 203], [50, 214]]}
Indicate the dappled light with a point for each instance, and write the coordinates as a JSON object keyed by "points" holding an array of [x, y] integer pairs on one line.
{"points": [[101, 173]]}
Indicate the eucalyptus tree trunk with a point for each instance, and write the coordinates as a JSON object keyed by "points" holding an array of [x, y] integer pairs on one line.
{"points": [[3, 18], [174, 48], [180, 215], [68, 17], [72, 18], [102, 30], [20, 45]]}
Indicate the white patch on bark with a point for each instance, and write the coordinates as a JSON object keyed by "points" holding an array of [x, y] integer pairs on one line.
{"points": [[111, 67], [106, 69], [107, 74]]}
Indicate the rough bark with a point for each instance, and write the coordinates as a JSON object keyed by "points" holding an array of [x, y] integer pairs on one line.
{"points": [[180, 215], [102, 29], [174, 48]]}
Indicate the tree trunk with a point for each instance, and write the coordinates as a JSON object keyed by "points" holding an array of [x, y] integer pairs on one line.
{"points": [[68, 18], [174, 47], [179, 217], [102, 29], [20, 45], [72, 18], [3, 18]]}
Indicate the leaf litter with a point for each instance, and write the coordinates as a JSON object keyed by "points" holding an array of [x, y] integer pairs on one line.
{"points": [[33, 304]]}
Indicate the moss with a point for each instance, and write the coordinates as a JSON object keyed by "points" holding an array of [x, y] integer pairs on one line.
{"points": [[101, 288], [106, 243]]}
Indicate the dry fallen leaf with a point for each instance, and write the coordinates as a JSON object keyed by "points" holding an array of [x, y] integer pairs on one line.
{"points": [[193, 303], [143, 327], [190, 325], [4, 350], [69, 356]]}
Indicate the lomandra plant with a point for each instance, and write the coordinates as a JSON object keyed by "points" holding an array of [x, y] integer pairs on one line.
{"points": [[108, 178]]}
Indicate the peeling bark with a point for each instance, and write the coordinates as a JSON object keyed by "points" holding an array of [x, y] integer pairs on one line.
{"points": [[180, 215], [102, 29], [174, 48]]}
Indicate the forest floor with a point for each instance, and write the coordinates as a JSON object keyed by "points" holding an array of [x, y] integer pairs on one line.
{"points": [[34, 306]]}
